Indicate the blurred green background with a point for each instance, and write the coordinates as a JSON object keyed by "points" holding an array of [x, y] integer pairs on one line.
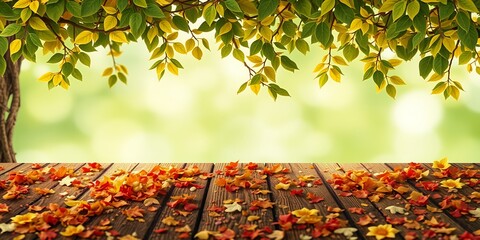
{"points": [[198, 117]]}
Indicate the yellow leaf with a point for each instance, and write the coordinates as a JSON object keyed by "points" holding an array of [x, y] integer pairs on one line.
{"points": [[266, 33], [255, 59], [15, 46], [72, 230], [107, 72], [64, 85], [118, 36], [449, 44], [160, 69], [179, 48], [197, 53], [339, 60], [225, 29], [252, 218], [165, 26], [335, 75], [365, 27], [203, 235], [355, 25], [37, 24], [255, 88], [283, 186], [348, 3], [397, 80], [22, 4], [110, 22], [84, 38], [57, 79], [46, 77], [395, 62], [110, 10], [170, 221], [152, 33], [172, 68], [34, 6], [270, 72], [190, 44]]}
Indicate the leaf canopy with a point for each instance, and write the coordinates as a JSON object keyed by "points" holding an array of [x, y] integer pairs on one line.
{"points": [[259, 33]]}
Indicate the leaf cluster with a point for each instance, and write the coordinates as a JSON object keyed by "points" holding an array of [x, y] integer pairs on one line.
{"points": [[260, 34]]}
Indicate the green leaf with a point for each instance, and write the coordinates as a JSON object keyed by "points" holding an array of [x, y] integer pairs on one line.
{"points": [[181, 23], [67, 69], [242, 87], [344, 13], [34, 39], [268, 51], [463, 20], [154, 11], [3, 46], [440, 64], [267, 8], [413, 8], [399, 9], [84, 58], [368, 74], [122, 4], [288, 64], [137, 24], [322, 32], [425, 66], [11, 29], [289, 28], [256, 47], [446, 10], [468, 38], [112, 80], [226, 50], [303, 7], [465, 57], [302, 46], [350, 52], [6, 11], [391, 91], [77, 74], [3, 66], [140, 3], [419, 23], [467, 5], [74, 8], [122, 77], [378, 78], [56, 58], [90, 7], [279, 90], [322, 79], [326, 7], [232, 5], [256, 79], [55, 10], [210, 13], [308, 29]]}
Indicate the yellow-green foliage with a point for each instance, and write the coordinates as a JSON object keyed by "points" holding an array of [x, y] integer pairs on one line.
{"points": [[258, 33]]}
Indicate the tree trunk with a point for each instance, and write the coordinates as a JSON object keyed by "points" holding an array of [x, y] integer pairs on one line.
{"points": [[9, 105]]}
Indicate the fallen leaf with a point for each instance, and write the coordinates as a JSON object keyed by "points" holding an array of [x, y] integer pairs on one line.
{"points": [[72, 230], [276, 235], [475, 213], [395, 209], [252, 218], [347, 231], [365, 220], [170, 221], [67, 181], [203, 235], [283, 186], [4, 227], [150, 201], [4, 208], [232, 207]]}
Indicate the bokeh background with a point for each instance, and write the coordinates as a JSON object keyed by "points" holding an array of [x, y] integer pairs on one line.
{"points": [[198, 117]]}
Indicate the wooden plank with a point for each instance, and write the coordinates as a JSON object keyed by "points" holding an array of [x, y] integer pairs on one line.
{"points": [[463, 194], [7, 167], [120, 222], [19, 205], [326, 170], [217, 195], [286, 203], [192, 220], [440, 216]]}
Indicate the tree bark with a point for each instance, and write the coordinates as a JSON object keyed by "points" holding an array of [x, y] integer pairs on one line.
{"points": [[9, 105]]}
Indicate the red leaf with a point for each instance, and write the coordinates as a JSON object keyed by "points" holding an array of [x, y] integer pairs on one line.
{"points": [[160, 230], [190, 207], [365, 220], [356, 210], [314, 198], [296, 192]]}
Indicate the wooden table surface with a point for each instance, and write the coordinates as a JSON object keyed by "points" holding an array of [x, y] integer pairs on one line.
{"points": [[241, 201]]}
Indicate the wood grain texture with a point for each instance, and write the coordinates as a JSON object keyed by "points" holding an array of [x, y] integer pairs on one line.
{"points": [[462, 194], [191, 220], [7, 167], [440, 216], [326, 170], [285, 202], [216, 197]]}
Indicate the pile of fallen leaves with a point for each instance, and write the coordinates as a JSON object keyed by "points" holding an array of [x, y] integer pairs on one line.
{"points": [[248, 210]]}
